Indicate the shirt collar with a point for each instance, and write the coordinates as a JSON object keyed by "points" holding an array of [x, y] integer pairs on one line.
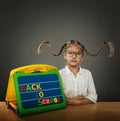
{"points": [[68, 72]]}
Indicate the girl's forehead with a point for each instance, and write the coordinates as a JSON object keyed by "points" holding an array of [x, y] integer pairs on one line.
{"points": [[74, 47]]}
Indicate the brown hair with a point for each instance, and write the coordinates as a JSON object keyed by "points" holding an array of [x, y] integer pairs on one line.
{"points": [[82, 47]]}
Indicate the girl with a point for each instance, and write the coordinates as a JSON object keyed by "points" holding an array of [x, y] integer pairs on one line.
{"points": [[77, 82]]}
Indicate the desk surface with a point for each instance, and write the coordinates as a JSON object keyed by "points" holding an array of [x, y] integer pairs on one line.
{"points": [[101, 111]]}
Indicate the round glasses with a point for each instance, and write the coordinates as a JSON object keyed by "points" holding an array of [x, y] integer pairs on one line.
{"points": [[72, 53]]}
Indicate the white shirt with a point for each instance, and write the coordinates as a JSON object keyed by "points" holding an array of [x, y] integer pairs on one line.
{"points": [[82, 84]]}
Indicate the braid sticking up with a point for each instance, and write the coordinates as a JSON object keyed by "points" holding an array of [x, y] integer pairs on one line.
{"points": [[82, 47], [111, 49], [50, 48]]}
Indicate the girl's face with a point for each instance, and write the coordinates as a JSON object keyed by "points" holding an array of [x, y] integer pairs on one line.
{"points": [[73, 56]]}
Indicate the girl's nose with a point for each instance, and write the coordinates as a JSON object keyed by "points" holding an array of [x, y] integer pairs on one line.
{"points": [[74, 55]]}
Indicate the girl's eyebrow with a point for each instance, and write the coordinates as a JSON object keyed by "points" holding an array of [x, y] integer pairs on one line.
{"points": [[73, 51]]}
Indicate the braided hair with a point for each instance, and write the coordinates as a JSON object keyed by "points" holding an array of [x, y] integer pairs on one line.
{"points": [[82, 47]]}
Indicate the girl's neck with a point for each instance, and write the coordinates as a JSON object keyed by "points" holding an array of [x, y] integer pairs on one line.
{"points": [[74, 69]]}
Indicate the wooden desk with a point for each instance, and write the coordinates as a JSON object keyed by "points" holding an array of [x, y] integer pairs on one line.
{"points": [[101, 111]]}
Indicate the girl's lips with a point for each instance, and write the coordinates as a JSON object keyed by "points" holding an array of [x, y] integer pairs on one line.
{"points": [[73, 60]]}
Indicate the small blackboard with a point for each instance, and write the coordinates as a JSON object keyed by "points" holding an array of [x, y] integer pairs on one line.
{"points": [[38, 92]]}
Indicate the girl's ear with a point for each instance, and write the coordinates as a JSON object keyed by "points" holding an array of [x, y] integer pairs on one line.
{"points": [[65, 56], [81, 58]]}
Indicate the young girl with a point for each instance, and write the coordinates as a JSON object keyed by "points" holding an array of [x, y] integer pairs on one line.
{"points": [[77, 82]]}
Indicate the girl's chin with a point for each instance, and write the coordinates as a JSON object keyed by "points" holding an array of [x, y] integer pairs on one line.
{"points": [[73, 65]]}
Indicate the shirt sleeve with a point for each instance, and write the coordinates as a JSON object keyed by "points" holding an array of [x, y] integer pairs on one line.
{"points": [[91, 93]]}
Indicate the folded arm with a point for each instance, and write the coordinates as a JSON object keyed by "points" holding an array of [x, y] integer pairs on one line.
{"points": [[78, 100]]}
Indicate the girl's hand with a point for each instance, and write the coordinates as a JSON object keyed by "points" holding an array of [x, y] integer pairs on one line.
{"points": [[78, 100]]}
